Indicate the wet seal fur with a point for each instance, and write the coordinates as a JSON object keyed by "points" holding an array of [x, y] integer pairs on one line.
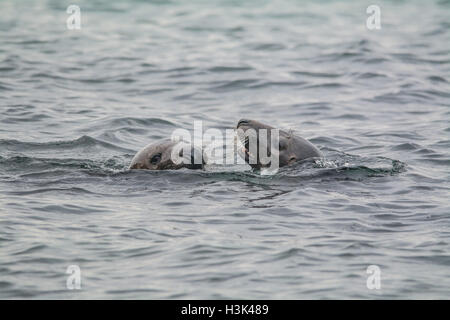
{"points": [[292, 148], [158, 156]]}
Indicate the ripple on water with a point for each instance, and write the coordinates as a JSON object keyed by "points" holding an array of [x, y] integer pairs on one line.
{"points": [[76, 106]]}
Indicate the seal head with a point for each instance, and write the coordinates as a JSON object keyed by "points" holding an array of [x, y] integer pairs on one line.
{"points": [[291, 148], [167, 154]]}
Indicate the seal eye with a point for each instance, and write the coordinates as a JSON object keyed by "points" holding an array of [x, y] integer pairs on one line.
{"points": [[156, 158]]}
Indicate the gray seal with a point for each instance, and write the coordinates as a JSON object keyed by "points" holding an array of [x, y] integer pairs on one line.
{"points": [[158, 156], [292, 148]]}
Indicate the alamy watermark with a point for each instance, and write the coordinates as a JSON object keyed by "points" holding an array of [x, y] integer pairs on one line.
{"points": [[374, 278], [73, 281], [73, 22], [373, 22], [257, 147]]}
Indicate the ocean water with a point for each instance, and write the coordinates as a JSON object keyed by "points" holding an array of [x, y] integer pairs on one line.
{"points": [[76, 105]]}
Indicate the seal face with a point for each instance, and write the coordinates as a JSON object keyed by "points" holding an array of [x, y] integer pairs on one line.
{"points": [[160, 156], [291, 148]]}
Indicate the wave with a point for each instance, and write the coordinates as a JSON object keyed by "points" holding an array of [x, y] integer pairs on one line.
{"points": [[82, 142]]}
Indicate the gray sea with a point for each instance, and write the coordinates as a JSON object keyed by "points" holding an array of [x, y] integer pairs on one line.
{"points": [[77, 104]]}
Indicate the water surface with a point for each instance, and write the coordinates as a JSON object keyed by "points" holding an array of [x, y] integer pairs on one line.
{"points": [[76, 105]]}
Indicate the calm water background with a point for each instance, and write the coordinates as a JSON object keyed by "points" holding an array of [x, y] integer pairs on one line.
{"points": [[77, 105]]}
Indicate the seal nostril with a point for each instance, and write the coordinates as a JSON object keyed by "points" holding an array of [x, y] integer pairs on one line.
{"points": [[242, 122]]}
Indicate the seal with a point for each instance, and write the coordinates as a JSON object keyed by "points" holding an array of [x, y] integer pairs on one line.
{"points": [[160, 156], [291, 148]]}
